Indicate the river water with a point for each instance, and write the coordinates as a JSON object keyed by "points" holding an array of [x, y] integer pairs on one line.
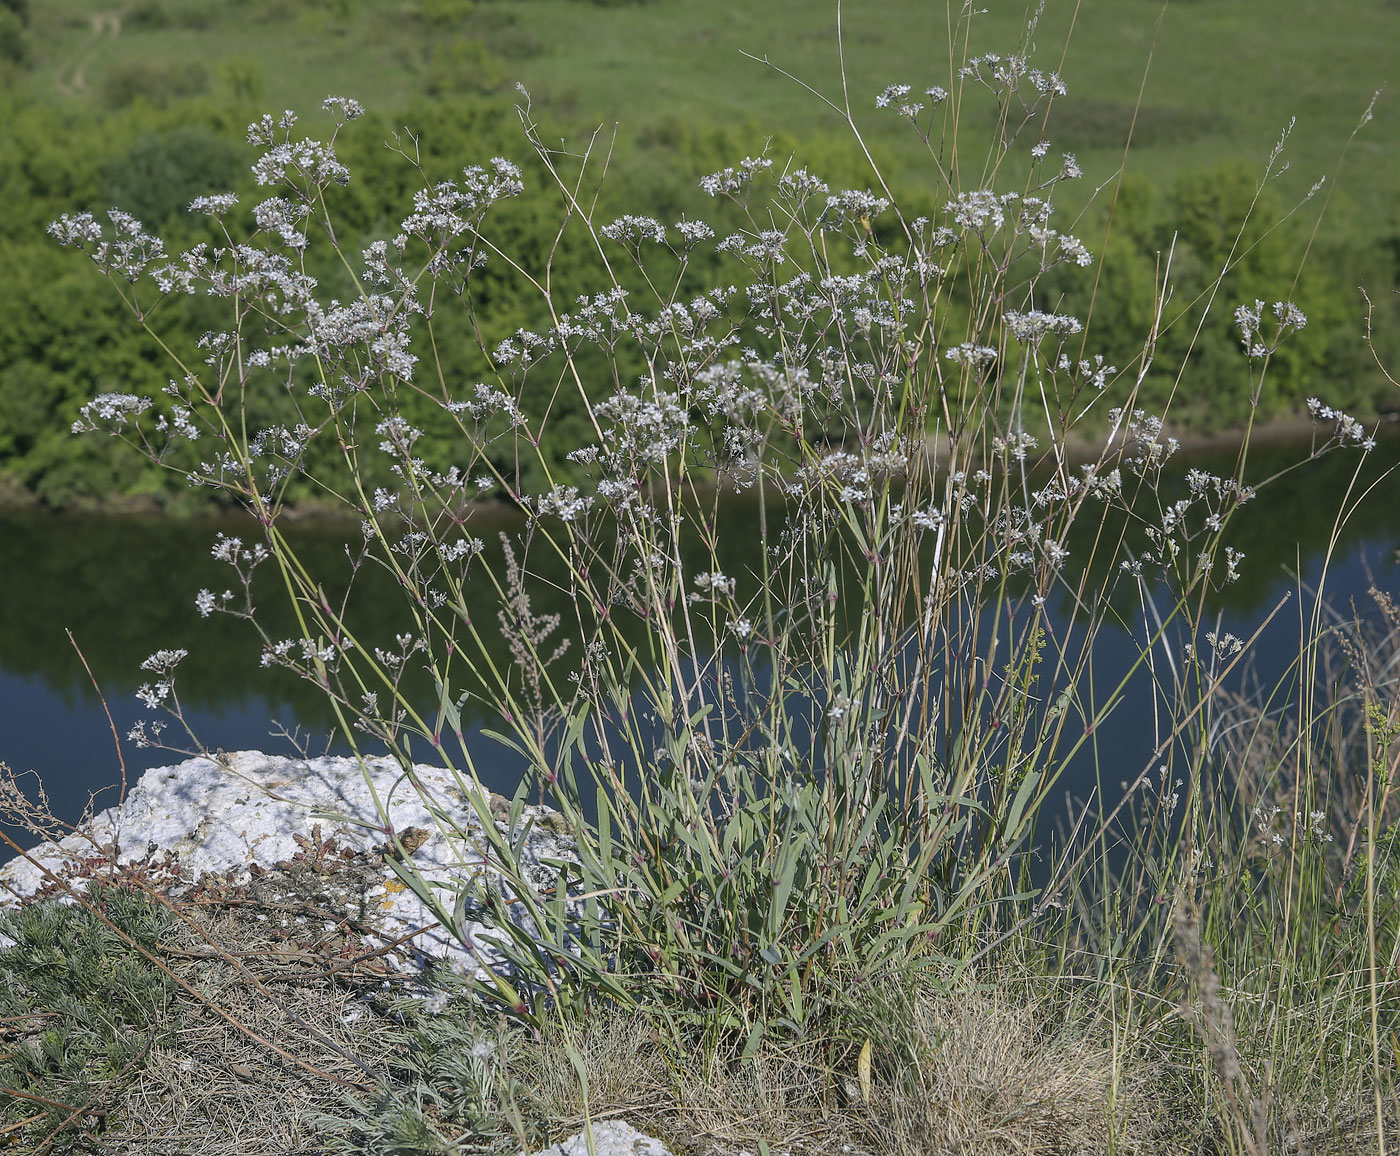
{"points": [[124, 587]]}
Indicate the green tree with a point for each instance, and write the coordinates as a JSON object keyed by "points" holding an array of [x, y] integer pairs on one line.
{"points": [[14, 45], [163, 171]]}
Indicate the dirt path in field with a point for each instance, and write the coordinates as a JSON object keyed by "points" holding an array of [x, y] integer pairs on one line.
{"points": [[71, 77]]}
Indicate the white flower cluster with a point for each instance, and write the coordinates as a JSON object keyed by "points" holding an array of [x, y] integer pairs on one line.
{"points": [[597, 320], [633, 230], [1055, 246], [859, 205], [243, 271], [283, 445], [1015, 446], [373, 324], [230, 549], [284, 218], [896, 97], [1005, 75], [732, 181], [562, 502], [1094, 373], [525, 349], [1350, 432], [462, 548], [640, 430], [798, 186], [451, 208], [927, 520], [488, 402], [765, 248], [1311, 827], [1031, 326], [398, 436], [693, 232], [984, 211], [715, 582], [264, 130], [305, 162], [214, 205], [380, 272], [1143, 434], [971, 356], [206, 603], [281, 653], [1225, 645], [1024, 542], [163, 663], [343, 108], [109, 412], [1249, 319], [127, 254]]}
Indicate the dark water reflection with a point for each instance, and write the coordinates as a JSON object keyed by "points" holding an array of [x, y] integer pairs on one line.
{"points": [[125, 587]]}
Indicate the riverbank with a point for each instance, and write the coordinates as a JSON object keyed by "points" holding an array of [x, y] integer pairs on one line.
{"points": [[1291, 430]]}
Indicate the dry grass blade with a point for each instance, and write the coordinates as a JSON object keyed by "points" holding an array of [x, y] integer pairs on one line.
{"points": [[161, 965], [223, 1089]]}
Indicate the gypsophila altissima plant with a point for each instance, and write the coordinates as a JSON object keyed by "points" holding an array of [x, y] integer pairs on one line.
{"points": [[779, 782]]}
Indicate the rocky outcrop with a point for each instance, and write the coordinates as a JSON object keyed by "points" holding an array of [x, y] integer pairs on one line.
{"points": [[246, 814], [312, 832]]}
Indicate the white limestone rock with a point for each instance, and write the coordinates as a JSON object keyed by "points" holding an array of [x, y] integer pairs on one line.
{"points": [[247, 808], [610, 1138]]}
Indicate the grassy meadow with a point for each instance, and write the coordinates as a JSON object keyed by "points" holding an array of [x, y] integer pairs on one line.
{"points": [[1224, 77]]}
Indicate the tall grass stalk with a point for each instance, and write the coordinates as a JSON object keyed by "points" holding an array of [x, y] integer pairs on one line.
{"points": [[785, 786]]}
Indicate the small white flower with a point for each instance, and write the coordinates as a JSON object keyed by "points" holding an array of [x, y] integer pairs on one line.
{"points": [[343, 107], [1226, 644], [112, 410], [214, 206], [716, 582], [153, 696], [633, 230], [163, 661], [971, 356], [896, 97], [563, 502], [693, 232], [1033, 325], [733, 180]]}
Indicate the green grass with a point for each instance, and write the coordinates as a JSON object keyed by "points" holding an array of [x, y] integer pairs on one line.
{"points": [[1242, 69], [1225, 76]]}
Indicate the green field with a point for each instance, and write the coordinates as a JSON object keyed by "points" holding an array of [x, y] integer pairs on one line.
{"points": [[1224, 79]]}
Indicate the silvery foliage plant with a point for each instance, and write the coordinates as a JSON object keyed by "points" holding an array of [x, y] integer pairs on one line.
{"points": [[814, 770]]}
